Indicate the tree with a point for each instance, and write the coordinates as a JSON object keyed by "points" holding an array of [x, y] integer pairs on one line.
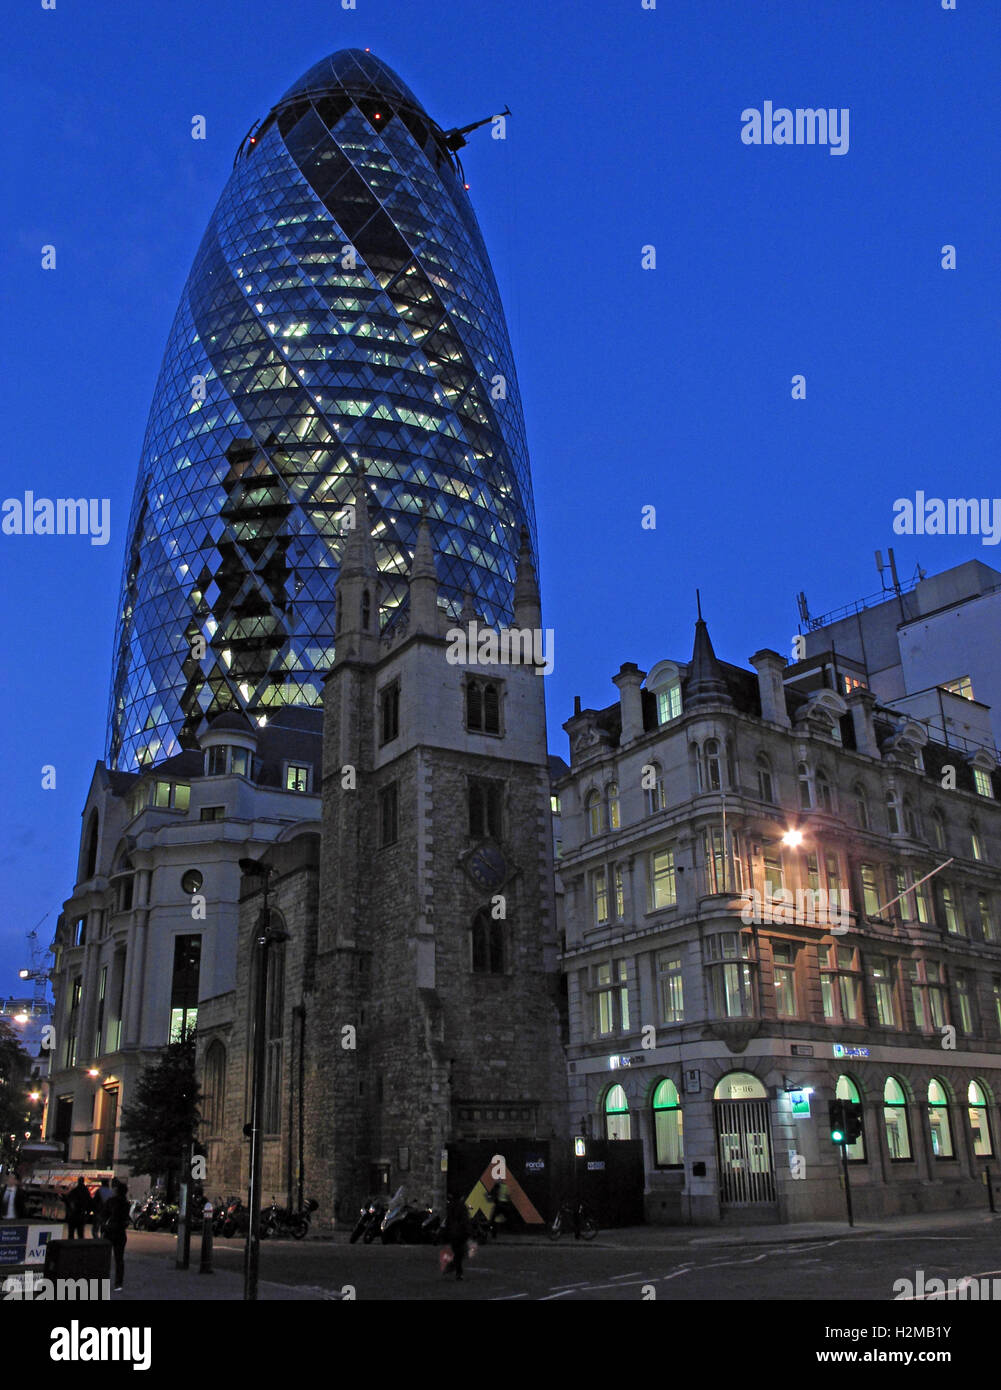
{"points": [[15, 1064], [160, 1125]]}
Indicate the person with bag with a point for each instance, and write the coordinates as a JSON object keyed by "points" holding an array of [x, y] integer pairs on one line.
{"points": [[456, 1234], [114, 1223]]}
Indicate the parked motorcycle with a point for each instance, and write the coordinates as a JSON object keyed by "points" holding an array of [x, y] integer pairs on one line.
{"points": [[151, 1214], [432, 1228], [236, 1220], [404, 1222], [219, 1214], [284, 1221], [367, 1227]]}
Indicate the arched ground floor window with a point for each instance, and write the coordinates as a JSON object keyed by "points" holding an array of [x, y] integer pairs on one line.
{"points": [[668, 1128], [898, 1135], [980, 1125], [617, 1120]]}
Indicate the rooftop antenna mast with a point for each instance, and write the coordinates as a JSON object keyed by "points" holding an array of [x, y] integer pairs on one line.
{"points": [[891, 566]]}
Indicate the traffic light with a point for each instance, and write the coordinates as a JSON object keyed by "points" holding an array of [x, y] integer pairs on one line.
{"points": [[836, 1112], [845, 1121], [852, 1120]]}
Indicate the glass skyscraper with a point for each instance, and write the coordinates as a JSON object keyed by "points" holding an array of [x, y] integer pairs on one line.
{"points": [[341, 320]]}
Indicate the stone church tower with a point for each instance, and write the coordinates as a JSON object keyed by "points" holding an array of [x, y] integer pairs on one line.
{"points": [[422, 962]]}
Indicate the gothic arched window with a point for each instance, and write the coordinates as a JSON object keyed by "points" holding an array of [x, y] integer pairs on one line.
{"points": [[487, 944]]}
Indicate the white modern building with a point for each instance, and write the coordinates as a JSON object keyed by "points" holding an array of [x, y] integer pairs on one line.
{"points": [[150, 929], [931, 650]]}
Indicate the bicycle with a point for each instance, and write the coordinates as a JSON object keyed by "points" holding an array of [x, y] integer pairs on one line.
{"points": [[573, 1218]]}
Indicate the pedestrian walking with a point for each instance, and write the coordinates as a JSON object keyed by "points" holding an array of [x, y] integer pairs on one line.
{"points": [[457, 1230], [102, 1196], [13, 1202], [503, 1207], [78, 1206], [114, 1224]]}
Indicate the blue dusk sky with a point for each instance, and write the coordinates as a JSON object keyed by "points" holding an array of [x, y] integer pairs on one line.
{"points": [[668, 387]]}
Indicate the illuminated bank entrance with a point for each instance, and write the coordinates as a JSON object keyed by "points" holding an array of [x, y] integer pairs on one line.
{"points": [[743, 1142]]}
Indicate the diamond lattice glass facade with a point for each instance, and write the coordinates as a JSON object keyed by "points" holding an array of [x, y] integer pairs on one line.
{"points": [[341, 318]]}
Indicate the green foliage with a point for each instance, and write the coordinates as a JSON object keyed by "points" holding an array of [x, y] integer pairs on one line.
{"points": [[161, 1122]]}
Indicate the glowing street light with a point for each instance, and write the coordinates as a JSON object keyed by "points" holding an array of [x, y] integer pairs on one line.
{"points": [[793, 838]]}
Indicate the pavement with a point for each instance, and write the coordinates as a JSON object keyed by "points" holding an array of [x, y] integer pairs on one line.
{"points": [[155, 1277]]}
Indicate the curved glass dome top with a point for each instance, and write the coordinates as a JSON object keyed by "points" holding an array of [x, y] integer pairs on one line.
{"points": [[341, 318], [356, 72]]}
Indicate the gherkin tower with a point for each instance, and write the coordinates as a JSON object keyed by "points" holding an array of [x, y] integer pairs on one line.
{"points": [[341, 321]]}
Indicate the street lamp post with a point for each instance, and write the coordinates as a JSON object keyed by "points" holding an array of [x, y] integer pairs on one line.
{"points": [[265, 937]]}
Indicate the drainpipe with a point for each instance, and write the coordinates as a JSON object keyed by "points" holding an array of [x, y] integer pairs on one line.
{"points": [[301, 1011]]}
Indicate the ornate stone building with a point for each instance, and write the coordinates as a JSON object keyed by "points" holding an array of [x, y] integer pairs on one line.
{"points": [[778, 892]]}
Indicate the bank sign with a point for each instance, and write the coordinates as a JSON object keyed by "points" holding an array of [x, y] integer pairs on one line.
{"points": [[22, 1244]]}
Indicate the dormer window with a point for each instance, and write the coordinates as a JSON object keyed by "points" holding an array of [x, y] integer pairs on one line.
{"points": [[664, 684], [225, 758], [982, 782], [297, 777], [669, 703]]}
